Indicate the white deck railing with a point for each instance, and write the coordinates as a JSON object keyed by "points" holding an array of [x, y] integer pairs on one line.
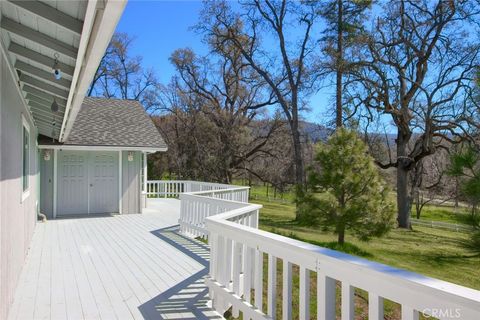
{"points": [[239, 252], [173, 188]]}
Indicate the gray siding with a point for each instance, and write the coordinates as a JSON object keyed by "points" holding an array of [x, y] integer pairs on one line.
{"points": [[17, 217], [46, 184], [131, 183]]}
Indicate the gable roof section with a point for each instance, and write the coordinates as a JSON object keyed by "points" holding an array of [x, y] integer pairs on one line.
{"points": [[114, 123]]}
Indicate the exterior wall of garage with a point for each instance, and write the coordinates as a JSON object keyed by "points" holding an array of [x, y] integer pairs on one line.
{"points": [[18, 211], [130, 184]]}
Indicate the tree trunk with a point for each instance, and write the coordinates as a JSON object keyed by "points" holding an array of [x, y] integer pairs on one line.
{"points": [[404, 199], [418, 202], [298, 158], [339, 107], [341, 236]]}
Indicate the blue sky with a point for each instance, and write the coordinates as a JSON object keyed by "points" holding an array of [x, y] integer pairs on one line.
{"points": [[160, 27]]}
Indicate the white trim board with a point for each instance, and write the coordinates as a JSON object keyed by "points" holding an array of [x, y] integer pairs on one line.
{"points": [[55, 175], [120, 180], [26, 192], [100, 148]]}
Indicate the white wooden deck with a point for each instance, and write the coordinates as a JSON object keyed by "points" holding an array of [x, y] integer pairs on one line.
{"points": [[114, 267]]}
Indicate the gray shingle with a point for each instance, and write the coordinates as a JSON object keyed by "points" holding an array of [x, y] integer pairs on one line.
{"points": [[113, 122]]}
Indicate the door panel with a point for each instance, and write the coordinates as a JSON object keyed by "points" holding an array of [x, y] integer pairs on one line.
{"points": [[103, 182], [87, 182], [72, 188]]}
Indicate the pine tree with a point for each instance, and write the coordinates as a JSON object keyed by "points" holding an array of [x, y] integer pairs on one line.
{"points": [[346, 192], [345, 26]]}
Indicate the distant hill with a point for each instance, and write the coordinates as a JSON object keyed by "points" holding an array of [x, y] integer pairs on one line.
{"points": [[314, 132]]}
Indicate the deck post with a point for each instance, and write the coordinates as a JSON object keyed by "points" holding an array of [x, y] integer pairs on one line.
{"points": [[145, 171], [120, 182], [55, 177], [144, 185]]}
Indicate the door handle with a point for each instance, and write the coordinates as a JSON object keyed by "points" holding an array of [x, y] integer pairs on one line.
{"points": [[91, 184]]}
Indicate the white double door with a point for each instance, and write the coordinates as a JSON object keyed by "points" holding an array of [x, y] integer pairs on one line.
{"points": [[87, 182]]}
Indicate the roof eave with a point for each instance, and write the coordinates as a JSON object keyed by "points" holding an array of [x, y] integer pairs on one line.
{"points": [[97, 34], [102, 148]]}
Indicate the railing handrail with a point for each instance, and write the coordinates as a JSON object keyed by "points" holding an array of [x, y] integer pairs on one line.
{"points": [[227, 186], [200, 193], [314, 256]]}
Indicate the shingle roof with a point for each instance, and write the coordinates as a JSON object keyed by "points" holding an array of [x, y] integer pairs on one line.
{"points": [[113, 122]]}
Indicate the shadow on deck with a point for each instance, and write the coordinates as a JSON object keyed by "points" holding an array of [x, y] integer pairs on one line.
{"points": [[188, 299]]}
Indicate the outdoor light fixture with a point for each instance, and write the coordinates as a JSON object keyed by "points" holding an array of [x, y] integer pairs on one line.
{"points": [[54, 106], [46, 155], [56, 70], [130, 156]]}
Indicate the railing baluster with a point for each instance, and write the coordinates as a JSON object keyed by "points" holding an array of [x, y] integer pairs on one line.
{"points": [[272, 285], [409, 313], [247, 273], [194, 216], [213, 242], [325, 297], [221, 268], [237, 251], [304, 293], [287, 290], [348, 303], [375, 307], [228, 263], [259, 280]]}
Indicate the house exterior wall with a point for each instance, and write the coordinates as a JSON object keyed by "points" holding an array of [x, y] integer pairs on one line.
{"points": [[17, 216], [131, 188]]}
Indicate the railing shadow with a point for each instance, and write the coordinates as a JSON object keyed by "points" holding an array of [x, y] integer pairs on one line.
{"points": [[187, 299]]}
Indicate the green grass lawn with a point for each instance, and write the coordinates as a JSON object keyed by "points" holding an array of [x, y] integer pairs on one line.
{"points": [[445, 214], [262, 193]]}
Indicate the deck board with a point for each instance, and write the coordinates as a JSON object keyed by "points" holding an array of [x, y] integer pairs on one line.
{"points": [[114, 267]]}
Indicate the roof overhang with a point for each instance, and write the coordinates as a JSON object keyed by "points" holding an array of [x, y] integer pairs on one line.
{"points": [[74, 35], [100, 148]]}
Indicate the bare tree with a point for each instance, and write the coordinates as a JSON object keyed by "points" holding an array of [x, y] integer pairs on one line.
{"points": [[286, 67], [121, 75], [214, 115], [418, 71]]}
